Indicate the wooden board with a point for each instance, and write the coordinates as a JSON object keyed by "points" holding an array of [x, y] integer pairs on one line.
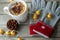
{"points": [[25, 28]]}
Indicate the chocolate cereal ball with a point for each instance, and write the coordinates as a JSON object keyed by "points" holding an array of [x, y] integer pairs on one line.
{"points": [[12, 24]]}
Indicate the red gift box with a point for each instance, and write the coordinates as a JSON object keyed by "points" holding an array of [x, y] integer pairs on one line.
{"points": [[43, 29], [31, 29]]}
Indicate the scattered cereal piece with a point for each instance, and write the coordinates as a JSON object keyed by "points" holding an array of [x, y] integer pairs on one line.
{"points": [[13, 33], [8, 33], [2, 31], [38, 12]]}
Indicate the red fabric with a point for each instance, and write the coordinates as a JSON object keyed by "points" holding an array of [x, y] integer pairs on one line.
{"points": [[43, 28], [31, 29]]}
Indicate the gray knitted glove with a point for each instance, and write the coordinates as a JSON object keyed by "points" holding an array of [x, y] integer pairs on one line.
{"points": [[51, 13], [37, 5]]}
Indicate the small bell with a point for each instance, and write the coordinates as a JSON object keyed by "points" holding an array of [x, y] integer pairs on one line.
{"points": [[11, 0], [19, 38], [49, 16], [35, 17], [2, 31], [13, 33], [8, 33], [38, 12]]}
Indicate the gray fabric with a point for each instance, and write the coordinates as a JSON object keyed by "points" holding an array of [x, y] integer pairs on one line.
{"points": [[38, 4]]}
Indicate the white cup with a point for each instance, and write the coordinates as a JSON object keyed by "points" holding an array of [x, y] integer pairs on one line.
{"points": [[22, 16]]}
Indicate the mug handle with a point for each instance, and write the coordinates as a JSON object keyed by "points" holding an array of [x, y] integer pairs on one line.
{"points": [[5, 9]]}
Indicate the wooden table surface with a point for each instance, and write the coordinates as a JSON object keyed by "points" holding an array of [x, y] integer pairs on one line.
{"points": [[4, 18]]}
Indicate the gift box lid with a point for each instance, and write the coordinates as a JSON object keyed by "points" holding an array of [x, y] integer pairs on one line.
{"points": [[43, 29]]}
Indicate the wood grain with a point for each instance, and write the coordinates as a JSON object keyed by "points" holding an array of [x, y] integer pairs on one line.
{"points": [[4, 18]]}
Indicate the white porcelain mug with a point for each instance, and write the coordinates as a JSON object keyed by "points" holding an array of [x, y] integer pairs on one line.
{"points": [[22, 16]]}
